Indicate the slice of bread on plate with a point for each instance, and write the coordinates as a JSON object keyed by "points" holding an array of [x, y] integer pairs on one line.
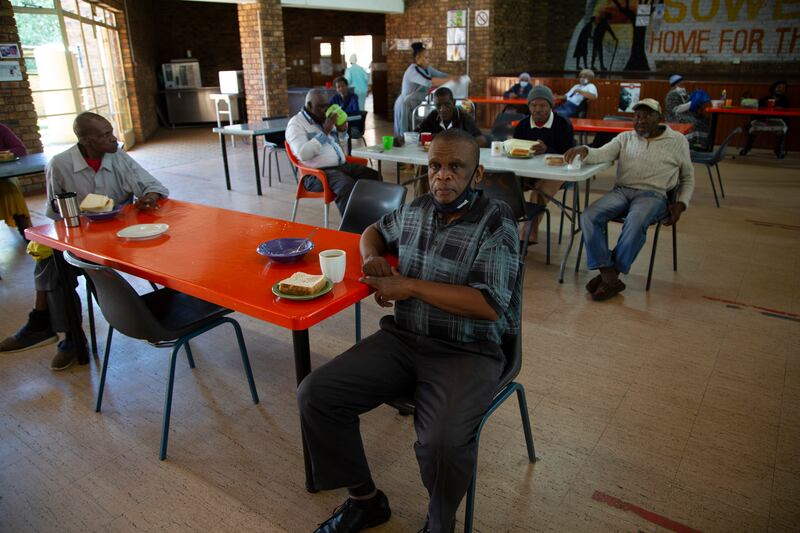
{"points": [[302, 284], [97, 203]]}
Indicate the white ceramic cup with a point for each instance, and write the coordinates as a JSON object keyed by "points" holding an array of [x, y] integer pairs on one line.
{"points": [[497, 148], [333, 264]]}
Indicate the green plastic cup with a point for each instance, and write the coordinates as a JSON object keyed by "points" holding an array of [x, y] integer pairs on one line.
{"points": [[388, 142]]}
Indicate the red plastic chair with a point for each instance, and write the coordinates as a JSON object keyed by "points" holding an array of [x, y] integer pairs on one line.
{"points": [[327, 194]]}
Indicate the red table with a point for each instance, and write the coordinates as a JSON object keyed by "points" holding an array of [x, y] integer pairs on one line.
{"points": [[617, 126], [210, 253], [786, 112], [498, 100]]}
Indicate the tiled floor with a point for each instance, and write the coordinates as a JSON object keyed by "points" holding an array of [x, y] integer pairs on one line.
{"points": [[683, 402]]}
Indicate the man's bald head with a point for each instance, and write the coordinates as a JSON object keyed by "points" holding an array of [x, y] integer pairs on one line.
{"points": [[95, 134], [317, 104]]}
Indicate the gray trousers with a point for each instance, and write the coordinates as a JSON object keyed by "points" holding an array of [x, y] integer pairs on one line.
{"points": [[452, 385], [45, 278], [341, 180]]}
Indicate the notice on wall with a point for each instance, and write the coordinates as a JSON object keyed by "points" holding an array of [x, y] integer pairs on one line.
{"points": [[457, 18], [10, 71], [482, 18], [457, 35], [628, 96]]}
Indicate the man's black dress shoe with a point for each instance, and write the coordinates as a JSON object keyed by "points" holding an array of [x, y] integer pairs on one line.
{"points": [[351, 517]]}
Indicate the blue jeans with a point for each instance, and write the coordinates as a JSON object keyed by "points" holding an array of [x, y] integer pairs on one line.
{"points": [[640, 209], [567, 110]]}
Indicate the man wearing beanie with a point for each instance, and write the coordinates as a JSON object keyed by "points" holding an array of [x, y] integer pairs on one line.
{"points": [[554, 134]]}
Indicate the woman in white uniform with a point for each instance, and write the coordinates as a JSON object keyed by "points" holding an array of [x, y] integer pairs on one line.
{"points": [[417, 81]]}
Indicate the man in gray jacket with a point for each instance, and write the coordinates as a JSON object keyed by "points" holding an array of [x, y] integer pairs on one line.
{"points": [[93, 165], [651, 160]]}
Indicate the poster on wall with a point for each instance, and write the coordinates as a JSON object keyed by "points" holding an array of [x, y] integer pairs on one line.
{"points": [[628, 96], [9, 51], [456, 36], [10, 71], [457, 18], [456, 52]]}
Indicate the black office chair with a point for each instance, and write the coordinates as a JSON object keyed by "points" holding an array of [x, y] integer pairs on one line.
{"points": [[671, 196], [368, 202], [505, 186], [164, 318], [273, 144], [504, 124], [512, 349], [712, 159]]}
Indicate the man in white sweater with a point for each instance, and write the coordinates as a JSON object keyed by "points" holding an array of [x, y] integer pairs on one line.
{"points": [[314, 139], [652, 160]]}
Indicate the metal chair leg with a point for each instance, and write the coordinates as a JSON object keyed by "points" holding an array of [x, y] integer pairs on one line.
{"points": [[294, 210], [101, 388], [561, 224], [162, 454], [713, 187], [325, 215], [580, 252], [652, 257], [358, 321], [90, 309], [245, 358], [189, 356], [526, 422], [547, 221], [719, 179], [674, 248]]}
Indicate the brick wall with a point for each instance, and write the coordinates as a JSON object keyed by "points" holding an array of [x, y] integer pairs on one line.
{"points": [[16, 103], [301, 25], [209, 30], [268, 45], [425, 19], [141, 64]]}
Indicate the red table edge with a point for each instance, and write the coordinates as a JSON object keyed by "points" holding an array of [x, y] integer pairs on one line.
{"points": [[595, 126], [294, 324], [771, 111]]}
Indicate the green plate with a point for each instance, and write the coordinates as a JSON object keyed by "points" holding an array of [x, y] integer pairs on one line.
{"points": [[325, 290]]}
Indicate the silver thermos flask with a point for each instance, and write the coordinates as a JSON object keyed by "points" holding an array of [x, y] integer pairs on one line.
{"points": [[66, 204]]}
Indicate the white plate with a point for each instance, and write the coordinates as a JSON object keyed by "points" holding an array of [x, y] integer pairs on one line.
{"points": [[143, 231]]}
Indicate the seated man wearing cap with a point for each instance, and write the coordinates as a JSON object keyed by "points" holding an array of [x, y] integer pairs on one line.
{"points": [[554, 134], [652, 160], [314, 139]]}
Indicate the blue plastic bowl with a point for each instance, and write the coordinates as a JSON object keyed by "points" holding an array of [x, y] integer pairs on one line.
{"points": [[108, 215], [285, 250]]}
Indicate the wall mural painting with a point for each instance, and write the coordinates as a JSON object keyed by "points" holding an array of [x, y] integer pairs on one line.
{"points": [[625, 35]]}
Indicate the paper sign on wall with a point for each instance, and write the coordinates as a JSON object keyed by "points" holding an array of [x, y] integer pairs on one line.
{"points": [[457, 18], [482, 18], [628, 96], [10, 71]]}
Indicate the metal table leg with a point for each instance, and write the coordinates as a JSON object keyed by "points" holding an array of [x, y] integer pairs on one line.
{"points": [[576, 208], [225, 161], [255, 165], [72, 310], [302, 368]]}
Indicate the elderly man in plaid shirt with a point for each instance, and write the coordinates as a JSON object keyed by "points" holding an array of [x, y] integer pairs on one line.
{"points": [[456, 293]]}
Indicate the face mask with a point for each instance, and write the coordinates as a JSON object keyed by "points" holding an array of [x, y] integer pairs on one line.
{"points": [[523, 84], [459, 203], [584, 81]]}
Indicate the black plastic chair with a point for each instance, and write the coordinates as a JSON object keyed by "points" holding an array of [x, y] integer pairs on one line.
{"points": [[273, 144], [512, 349], [368, 202], [671, 195], [505, 186], [359, 127], [712, 159], [504, 124], [164, 318]]}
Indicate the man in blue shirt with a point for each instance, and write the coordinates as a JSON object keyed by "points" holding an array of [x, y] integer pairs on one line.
{"points": [[456, 292]]}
